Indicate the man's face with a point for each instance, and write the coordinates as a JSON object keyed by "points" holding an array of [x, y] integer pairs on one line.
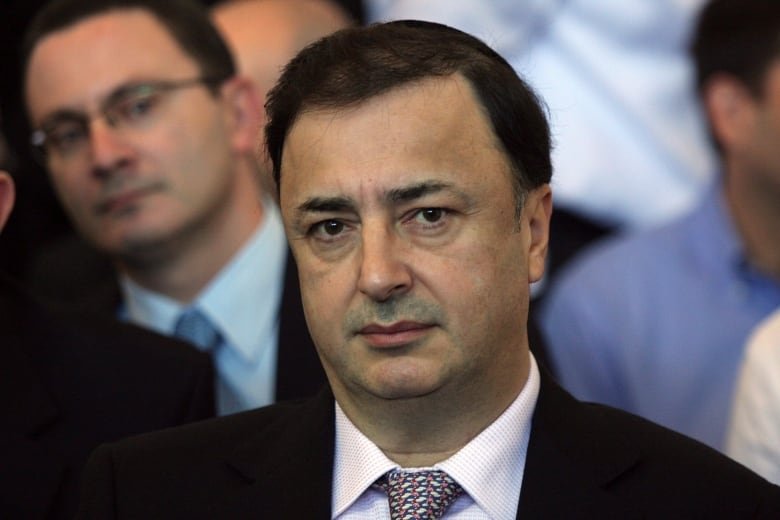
{"points": [[414, 268], [138, 188], [758, 146]]}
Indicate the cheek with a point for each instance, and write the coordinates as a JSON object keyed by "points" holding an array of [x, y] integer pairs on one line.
{"points": [[484, 276], [74, 191], [326, 292], [193, 145]]}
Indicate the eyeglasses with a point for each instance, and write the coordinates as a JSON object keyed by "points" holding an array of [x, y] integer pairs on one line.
{"points": [[65, 134]]}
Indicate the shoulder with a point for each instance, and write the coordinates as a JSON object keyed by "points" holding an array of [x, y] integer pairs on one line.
{"points": [[185, 447], [219, 468], [622, 276], [210, 463], [638, 461], [54, 335], [625, 256], [116, 376], [109, 342]]}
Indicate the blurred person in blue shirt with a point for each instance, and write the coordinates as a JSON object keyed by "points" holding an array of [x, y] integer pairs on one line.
{"points": [[655, 322]]}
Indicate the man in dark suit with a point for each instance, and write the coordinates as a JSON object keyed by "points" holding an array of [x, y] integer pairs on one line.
{"points": [[414, 166], [149, 144], [69, 382]]}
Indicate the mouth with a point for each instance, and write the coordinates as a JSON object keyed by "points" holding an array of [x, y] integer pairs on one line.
{"points": [[394, 335], [123, 202]]}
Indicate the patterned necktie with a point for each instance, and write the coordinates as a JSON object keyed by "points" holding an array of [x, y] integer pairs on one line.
{"points": [[418, 495], [193, 326]]}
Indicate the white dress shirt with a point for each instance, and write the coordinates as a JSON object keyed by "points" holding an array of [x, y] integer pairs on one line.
{"points": [[754, 434], [489, 468], [242, 301]]}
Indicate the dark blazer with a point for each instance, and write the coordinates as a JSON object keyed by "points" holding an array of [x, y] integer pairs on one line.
{"points": [[89, 283], [69, 383], [584, 461]]}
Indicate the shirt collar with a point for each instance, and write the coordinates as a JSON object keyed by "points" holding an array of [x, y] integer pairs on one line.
{"points": [[147, 308], [490, 467], [242, 300], [717, 243], [715, 238]]}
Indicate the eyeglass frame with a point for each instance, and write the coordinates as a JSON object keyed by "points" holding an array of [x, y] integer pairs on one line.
{"points": [[109, 109]]}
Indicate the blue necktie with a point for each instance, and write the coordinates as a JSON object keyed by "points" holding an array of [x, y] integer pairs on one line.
{"points": [[194, 327]]}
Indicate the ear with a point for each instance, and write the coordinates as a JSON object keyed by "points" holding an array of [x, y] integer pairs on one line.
{"points": [[7, 197], [730, 108], [244, 112], [537, 211]]}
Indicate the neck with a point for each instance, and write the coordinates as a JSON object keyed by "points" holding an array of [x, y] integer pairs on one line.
{"points": [[183, 265], [755, 208], [425, 430]]}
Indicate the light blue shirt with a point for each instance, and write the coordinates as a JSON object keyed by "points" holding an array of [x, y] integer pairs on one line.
{"points": [[242, 301], [631, 146], [655, 322]]}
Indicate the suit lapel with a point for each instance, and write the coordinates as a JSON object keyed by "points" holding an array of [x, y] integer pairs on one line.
{"points": [[29, 471], [298, 448], [25, 405], [570, 460]]}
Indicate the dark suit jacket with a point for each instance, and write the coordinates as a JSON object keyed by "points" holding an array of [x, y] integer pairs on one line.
{"points": [[89, 283], [584, 461], [69, 383]]}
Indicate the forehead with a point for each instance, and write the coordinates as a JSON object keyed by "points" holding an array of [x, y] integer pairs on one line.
{"points": [[86, 60], [430, 130]]}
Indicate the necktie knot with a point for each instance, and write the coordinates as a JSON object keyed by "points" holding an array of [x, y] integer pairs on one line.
{"points": [[419, 494], [193, 326]]}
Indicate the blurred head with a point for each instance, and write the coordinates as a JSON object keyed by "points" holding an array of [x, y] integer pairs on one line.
{"points": [[185, 21], [142, 123], [265, 34], [737, 38], [412, 165], [7, 196], [735, 49]]}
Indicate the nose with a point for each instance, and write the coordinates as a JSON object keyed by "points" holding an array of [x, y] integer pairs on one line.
{"points": [[108, 149], [384, 271]]}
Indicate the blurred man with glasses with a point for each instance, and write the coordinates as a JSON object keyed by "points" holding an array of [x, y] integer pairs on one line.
{"points": [[148, 135]]}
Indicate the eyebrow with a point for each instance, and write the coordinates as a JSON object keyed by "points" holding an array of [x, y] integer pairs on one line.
{"points": [[394, 196], [61, 115], [326, 204], [416, 191], [71, 114]]}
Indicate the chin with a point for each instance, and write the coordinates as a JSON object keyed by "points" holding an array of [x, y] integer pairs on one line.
{"points": [[403, 385], [145, 248]]}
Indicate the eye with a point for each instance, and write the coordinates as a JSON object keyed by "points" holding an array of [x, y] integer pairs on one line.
{"points": [[327, 228], [430, 215], [66, 136], [429, 222], [133, 109]]}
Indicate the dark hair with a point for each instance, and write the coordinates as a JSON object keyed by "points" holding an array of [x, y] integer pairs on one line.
{"points": [[185, 20], [737, 37], [356, 64]]}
